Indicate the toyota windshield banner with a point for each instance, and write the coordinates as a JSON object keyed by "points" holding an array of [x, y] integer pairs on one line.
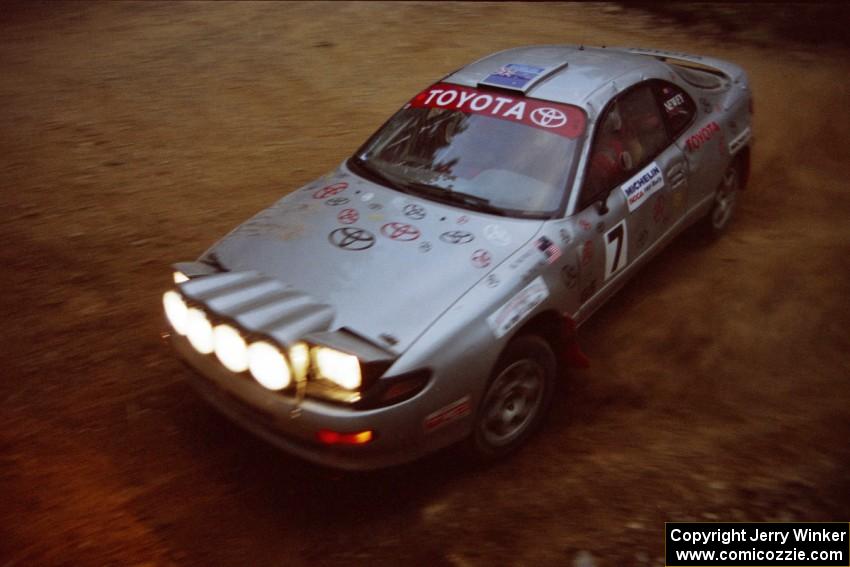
{"points": [[562, 119]]}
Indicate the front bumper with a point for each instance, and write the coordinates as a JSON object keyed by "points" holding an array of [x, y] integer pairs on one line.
{"points": [[399, 436]]}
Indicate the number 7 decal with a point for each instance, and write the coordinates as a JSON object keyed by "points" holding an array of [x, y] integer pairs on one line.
{"points": [[616, 246]]}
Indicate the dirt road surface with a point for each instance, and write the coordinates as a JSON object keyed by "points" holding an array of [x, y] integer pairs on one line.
{"points": [[133, 135]]}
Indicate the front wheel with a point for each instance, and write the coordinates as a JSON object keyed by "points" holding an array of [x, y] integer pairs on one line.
{"points": [[517, 398]]}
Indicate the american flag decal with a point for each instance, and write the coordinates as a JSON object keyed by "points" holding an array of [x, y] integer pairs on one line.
{"points": [[550, 249]]}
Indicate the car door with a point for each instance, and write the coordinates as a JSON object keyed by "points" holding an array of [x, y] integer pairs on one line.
{"points": [[633, 175], [656, 188]]}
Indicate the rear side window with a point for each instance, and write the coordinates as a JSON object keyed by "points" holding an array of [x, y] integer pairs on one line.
{"points": [[702, 78], [678, 108]]}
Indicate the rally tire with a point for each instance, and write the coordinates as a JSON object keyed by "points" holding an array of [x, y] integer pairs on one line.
{"points": [[516, 401], [717, 221]]}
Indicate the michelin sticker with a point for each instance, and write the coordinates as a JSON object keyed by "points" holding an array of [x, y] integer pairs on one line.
{"points": [[519, 306], [640, 187]]}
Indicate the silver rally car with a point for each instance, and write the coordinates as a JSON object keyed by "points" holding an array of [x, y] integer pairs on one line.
{"points": [[428, 291]]}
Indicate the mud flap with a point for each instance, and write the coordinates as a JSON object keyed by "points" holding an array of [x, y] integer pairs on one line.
{"points": [[573, 356]]}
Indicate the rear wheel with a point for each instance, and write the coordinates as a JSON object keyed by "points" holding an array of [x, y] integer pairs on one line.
{"points": [[517, 398], [725, 199]]}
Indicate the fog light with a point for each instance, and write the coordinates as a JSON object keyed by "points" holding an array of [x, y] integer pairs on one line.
{"points": [[329, 437], [199, 331], [338, 367], [230, 348], [268, 366], [175, 311]]}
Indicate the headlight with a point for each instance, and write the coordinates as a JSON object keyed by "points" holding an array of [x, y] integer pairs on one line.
{"points": [[180, 277], [338, 367], [299, 357], [268, 366], [199, 330], [230, 348], [175, 311]]}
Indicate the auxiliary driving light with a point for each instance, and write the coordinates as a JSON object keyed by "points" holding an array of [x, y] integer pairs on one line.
{"points": [[268, 367], [299, 357], [175, 311], [199, 331], [230, 348], [338, 367], [180, 277]]}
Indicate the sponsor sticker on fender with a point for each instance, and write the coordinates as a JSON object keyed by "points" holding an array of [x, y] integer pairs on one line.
{"points": [[550, 250], [562, 119], [518, 307], [640, 187], [739, 140], [447, 414]]}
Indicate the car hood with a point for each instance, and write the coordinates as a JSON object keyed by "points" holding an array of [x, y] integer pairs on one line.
{"points": [[388, 263]]}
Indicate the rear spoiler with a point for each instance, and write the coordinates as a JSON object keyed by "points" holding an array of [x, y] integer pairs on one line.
{"points": [[733, 72]]}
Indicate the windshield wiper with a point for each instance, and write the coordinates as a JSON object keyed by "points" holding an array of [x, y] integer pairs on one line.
{"points": [[465, 199], [377, 175]]}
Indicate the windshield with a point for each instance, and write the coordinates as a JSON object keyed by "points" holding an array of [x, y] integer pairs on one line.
{"points": [[482, 150]]}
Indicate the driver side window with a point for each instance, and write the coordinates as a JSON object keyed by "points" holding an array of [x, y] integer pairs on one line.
{"points": [[630, 134], [606, 156]]}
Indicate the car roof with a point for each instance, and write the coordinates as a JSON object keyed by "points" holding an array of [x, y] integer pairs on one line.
{"points": [[571, 74]]}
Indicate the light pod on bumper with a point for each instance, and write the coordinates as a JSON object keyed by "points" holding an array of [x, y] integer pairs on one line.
{"points": [[230, 348], [199, 330], [299, 357], [268, 366], [338, 367], [175, 311]]}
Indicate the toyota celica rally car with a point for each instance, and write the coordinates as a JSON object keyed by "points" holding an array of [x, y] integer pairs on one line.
{"points": [[429, 290]]}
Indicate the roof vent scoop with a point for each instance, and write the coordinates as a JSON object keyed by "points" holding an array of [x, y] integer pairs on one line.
{"points": [[520, 76]]}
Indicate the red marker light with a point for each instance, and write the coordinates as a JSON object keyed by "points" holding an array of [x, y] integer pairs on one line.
{"points": [[329, 437]]}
